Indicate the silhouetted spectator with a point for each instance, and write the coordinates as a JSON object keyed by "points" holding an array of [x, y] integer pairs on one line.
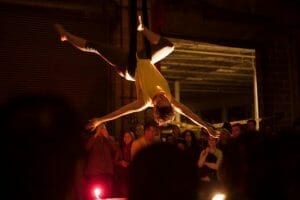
{"points": [[170, 139], [99, 169], [227, 126], [224, 139], [192, 147], [251, 125], [176, 131], [42, 144], [204, 135], [256, 167], [181, 144], [296, 125], [162, 172], [266, 129]]}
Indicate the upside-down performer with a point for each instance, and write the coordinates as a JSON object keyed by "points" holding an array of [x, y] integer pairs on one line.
{"points": [[152, 89]]}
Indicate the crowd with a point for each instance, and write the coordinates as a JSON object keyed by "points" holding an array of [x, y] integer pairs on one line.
{"points": [[47, 156]]}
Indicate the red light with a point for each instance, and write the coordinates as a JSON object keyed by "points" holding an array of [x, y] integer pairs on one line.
{"points": [[97, 192]]}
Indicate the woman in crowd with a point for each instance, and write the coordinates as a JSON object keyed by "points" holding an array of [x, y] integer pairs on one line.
{"points": [[122, 163], [209, 162]]}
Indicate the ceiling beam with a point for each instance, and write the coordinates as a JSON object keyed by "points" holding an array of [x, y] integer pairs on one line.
{"points": [[185, 73], [210, 47], [211, 65], [214, 83], [179, 56], [214, 53], [223, 91]]}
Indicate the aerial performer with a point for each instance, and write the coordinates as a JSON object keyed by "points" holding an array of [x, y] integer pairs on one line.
{"points": [[152, 89]]}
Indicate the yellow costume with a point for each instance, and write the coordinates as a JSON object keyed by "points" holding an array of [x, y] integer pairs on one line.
{"points": [[150, 80]]}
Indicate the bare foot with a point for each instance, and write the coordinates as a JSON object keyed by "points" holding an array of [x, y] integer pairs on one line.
{"points": [[63, 33], [140, 25]]}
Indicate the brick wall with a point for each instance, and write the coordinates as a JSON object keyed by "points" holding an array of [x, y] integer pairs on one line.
{"points": [[33, 60]]}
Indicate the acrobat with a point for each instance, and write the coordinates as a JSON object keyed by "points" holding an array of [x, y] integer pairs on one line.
{"points": [[152, 89]]}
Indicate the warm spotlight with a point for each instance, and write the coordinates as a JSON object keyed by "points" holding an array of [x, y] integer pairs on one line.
{"points": [[219, 196]]}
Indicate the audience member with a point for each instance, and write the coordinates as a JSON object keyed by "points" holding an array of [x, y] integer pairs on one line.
{"points": [[266, 129], [170, 139], [236, 130], [42, 144], [192, 147], [176, 131], [251, 125], [180, 142], [257, 167], [203, 139], [227, 126], [209, 163], [122, 164], [161, 172], [147, 139], [224, 139], [139, 130], [296, 125], [100, 162]]}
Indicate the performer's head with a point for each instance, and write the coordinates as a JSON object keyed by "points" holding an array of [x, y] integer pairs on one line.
{"points": [[163, 111]]}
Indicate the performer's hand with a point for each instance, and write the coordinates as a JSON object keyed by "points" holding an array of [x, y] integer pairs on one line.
{"points": [[60, 29], [101, 131], [93, 124], [212, 132], [140, 25]]}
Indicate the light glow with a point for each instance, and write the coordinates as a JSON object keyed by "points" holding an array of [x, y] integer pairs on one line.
{"points": [[219, 196], [97, 193]]}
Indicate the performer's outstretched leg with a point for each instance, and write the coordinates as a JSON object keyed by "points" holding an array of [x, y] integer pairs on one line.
{"points": [[160, 46], [114, 57], [78, 42]]}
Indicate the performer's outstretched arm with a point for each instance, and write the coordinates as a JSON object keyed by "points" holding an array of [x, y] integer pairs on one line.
{"points": [[133, 107], [136, 106], [182, 109]]}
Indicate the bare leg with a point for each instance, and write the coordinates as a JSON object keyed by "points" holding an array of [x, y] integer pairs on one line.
{"points": [[161, 47], [151, 36], [114, 57], [78, 42]]}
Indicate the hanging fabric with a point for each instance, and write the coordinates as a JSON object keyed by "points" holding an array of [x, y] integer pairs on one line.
{"points": [[132, 31], [145, 19]]}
